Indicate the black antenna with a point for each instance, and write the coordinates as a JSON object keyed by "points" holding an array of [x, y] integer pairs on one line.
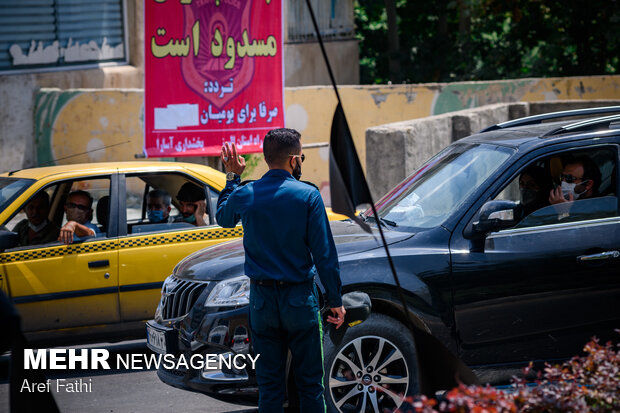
{"points": [[428, 367], [73, 156], [372, 203]]}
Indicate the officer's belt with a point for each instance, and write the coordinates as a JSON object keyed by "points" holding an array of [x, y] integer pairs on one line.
{"points": [[280, 283]]}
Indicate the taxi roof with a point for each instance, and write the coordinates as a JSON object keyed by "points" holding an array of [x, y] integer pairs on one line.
{"points": [[81, 169]]}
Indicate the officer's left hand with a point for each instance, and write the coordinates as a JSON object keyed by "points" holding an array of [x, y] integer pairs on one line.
{"points": [[339, 313]]}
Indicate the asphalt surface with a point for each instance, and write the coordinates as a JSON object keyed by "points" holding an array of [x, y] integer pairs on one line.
{"points": [[121, 390]]}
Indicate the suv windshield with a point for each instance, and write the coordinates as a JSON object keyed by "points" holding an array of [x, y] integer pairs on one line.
{"points": [[11, 188], [429, 196]]}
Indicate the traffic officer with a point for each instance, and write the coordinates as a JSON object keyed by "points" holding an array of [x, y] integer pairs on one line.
{"points": [[287, 240]]}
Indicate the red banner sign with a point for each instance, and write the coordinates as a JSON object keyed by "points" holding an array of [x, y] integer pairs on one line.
{"points": [[213, 74]]}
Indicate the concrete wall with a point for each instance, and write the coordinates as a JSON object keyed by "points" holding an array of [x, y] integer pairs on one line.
{"points": [[70, 122], [304, 63], [17, 92], [402, 147], [303, 66]]}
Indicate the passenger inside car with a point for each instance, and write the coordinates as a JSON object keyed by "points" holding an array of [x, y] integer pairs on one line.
{"points": [[534, 186], [79, 212], [36, 228], [580, 179], [193, 205], [158, 207]]}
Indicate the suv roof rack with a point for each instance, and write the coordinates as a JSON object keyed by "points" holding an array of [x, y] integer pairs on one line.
{"points": [[587, 124], [531, 120]]}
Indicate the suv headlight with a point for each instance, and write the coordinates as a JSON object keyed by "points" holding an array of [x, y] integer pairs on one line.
{"points": [[232, 292]]}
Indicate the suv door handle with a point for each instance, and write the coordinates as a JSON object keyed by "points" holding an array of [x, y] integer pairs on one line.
{"points": [[99, 264], [601, 256]]}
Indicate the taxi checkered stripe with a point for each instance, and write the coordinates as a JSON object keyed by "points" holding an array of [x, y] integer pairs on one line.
{"points": [[125, 243], [56, 251], [184, 237]]}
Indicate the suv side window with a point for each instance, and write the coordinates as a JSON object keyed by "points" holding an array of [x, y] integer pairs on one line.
{"points": [[544, 196]]}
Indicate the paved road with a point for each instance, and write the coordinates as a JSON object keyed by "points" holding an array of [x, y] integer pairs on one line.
{"points": [[123, 391]]}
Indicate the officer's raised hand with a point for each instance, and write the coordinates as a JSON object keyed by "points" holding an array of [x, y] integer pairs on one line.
{"points": [[231, 160], [338, 317]]}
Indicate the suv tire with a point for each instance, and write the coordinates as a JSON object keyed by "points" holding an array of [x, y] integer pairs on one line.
{"points": [[351, 387]]}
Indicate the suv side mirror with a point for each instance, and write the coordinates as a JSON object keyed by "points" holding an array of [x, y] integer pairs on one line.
{"points": [[8, 240], [496, 215]]}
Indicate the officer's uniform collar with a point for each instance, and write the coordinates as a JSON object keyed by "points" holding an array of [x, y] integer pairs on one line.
{"points": [[278, 173]]}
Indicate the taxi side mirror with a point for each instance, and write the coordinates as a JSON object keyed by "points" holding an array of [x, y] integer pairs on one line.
{"points": [[8, 240]]}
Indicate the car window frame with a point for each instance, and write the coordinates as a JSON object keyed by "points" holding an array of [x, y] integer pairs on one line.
{"points": [[113, 215], [524, 162], [122, 206]]}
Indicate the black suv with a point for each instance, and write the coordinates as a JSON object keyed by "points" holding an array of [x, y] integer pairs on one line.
{"points": [[497, 279]]}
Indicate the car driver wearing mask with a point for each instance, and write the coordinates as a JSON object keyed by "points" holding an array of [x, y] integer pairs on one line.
{"points": [[580, 178]]}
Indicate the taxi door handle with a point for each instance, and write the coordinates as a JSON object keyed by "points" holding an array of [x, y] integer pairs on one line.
{"points": [[99, 264], [601, 256]]}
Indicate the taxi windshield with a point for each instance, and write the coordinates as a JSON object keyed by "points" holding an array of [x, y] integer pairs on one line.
{"points": [[11, 188], [437, 189]]}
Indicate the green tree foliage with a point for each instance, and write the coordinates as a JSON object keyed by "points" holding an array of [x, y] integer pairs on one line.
{"points": [[450, 40]]}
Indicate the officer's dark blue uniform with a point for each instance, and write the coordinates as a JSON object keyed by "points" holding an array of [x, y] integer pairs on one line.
{"points": [[287, 239]]}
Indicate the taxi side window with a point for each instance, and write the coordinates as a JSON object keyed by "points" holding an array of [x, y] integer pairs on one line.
{"points": [[568, 187], [165, 202], [41, 218]]}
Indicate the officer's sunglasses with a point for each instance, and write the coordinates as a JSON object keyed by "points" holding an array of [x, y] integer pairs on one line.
{"points": [[569, 179], [72, 205], [302, 157]]}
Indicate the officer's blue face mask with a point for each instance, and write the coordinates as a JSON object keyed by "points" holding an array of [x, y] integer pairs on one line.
{"points": [[155, 215]]}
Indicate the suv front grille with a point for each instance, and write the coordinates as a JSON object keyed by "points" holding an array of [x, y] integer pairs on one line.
{"points": [[180, 296]]}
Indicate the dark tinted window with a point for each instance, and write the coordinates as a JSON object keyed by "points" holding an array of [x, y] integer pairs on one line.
{"points": [[11, 188]]}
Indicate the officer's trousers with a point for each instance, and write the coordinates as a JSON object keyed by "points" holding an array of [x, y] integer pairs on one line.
{"points": [[284, 317]]}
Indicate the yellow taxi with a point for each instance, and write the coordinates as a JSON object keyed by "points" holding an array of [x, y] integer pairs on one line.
{"points": [[102, 286]]}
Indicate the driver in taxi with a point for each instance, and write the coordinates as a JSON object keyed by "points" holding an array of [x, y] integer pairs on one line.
{"points": [[36, 228]]}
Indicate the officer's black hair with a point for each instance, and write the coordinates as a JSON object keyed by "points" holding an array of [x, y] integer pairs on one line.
{"points": [[82, 193], [279, 144]]}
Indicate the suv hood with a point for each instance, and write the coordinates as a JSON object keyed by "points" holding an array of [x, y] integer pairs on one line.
{"points": [[226, 260]]}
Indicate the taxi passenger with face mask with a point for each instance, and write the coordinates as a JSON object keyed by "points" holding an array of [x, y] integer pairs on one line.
{"points": [[158, 207], [193, 205], [580, 180]]}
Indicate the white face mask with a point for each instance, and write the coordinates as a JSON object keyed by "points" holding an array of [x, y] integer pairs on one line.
{"points": [[568, 189], [39, 227]]}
